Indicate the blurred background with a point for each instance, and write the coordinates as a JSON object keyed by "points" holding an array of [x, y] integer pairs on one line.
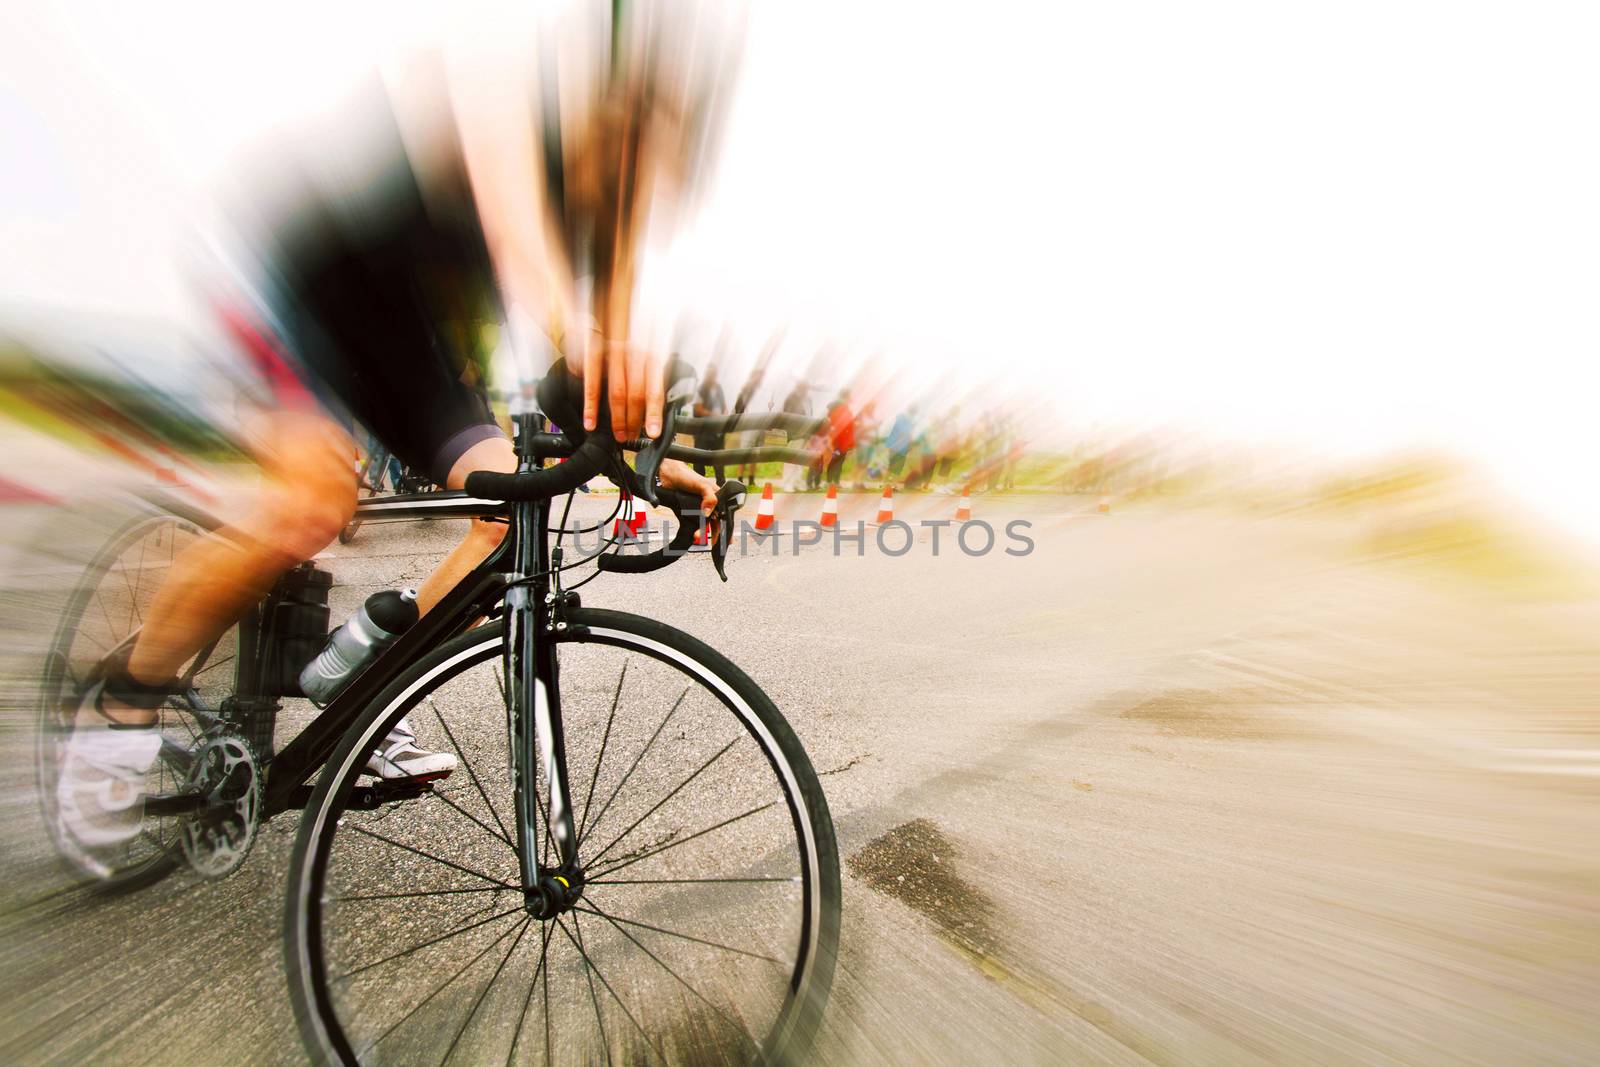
{"points": [[1275, 323]]}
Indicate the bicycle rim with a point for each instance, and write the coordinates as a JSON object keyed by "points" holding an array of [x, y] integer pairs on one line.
{"points": [[709, 927]]}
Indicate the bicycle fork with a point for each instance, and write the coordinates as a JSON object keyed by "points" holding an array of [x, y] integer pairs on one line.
{"points": [[535, 732]]}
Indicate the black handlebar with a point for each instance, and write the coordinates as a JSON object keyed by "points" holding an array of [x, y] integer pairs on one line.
{"points": [[590, 459], [687, 508], [560, 395]]}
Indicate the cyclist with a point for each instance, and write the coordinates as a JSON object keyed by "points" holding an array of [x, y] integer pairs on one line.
{"points": [[378, 285]]}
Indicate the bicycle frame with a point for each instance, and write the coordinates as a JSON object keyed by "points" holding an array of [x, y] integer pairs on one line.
{"points": [[515, 574]]}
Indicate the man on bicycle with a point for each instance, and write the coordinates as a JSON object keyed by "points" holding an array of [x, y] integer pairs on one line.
{"points": [[379, 281]]}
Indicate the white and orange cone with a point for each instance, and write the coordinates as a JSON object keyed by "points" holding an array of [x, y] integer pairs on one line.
{"points": [[632, 519], [830, 507], [766, 515], [886, 506], [964, 509], [1105, 505]]}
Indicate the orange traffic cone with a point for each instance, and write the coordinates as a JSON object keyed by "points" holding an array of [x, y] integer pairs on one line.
{"points": [[1105, 505], [886, 506], [964, 509], [766, 515], [623, 526], [830, 507], [631, 521]]}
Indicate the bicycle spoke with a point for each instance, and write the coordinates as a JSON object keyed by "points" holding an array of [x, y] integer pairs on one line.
{"points": [[417, 893], [547, 1012], [439, 989], [675, 933], [144, 546], [657, 806], [578, 943], [474, 820], [605, 1042], [544, 948], [94, 641], [642, 752], [742, 1032], [682, 840], [605, 738], [431, 856], [133, 599], [213, 666], [457, 932], [111, 627], [455, 1041], [470, 772]]}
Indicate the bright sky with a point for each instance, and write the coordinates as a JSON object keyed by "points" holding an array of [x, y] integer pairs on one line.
{"points": [[1340, 227]]}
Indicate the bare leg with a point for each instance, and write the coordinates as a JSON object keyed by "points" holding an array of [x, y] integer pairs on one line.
{"points": [[494, 454], [309, 493]]}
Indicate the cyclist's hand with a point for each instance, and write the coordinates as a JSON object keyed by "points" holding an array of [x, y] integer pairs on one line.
{"points": [[676, 474], [633, 382]]}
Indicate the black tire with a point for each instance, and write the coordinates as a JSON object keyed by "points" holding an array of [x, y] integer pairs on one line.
{"points": [[688, 1031], [66, 671]]}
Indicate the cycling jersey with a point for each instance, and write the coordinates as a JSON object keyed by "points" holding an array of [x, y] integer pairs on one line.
{"points": [[387, 299]]}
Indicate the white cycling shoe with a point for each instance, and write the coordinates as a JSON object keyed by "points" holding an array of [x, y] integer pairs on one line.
{"points": [[100, 791], [399, 758]]}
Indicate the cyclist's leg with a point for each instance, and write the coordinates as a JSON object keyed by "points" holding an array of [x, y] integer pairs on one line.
{"points": [[493, 453], [308, 494]]}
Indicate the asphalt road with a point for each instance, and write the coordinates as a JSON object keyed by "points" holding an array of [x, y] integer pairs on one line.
{"points": [[1180, 786]]}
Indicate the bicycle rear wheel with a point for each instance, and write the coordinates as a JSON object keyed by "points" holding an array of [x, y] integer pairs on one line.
{"points": [[708, 927], [103, 615]]}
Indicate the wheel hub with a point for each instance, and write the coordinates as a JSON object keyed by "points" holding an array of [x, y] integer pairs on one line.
{"points": [[557, 892]]}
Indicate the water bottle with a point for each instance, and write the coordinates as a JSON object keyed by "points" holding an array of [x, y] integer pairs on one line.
{"points": [[382, 619]]}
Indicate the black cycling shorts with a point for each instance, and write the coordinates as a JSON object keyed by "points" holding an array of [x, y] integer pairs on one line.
{"points": [[387, 299]]}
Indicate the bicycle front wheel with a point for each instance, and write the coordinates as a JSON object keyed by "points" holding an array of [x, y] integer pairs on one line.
{"points": [[708, 925]]}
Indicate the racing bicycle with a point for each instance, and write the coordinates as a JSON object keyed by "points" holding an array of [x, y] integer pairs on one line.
{"points": [[634, 861]]}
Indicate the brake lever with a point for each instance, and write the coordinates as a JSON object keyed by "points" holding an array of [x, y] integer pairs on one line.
{"points": [[647, 462], [730, 498]]}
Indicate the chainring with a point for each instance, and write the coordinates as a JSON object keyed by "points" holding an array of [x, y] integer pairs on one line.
{"points": [[217, 839]]}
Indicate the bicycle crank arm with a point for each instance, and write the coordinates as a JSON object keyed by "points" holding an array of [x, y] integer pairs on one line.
{"points": [[168, 804]]}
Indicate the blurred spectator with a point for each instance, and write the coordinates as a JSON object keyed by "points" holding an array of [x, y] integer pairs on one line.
{"points": [[796, 403], [741, 404], [709, 402], [868, 441], [898, 441], [841, 433]]}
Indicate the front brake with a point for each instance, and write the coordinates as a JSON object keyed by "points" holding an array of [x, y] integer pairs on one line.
{"points": [[730, 498]]}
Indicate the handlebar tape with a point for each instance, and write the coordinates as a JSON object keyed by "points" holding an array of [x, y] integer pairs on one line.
{"points": [[589, 460], [685, 506]]}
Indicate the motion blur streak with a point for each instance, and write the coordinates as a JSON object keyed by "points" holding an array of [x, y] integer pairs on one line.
{"points": [[1272, 751]]}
